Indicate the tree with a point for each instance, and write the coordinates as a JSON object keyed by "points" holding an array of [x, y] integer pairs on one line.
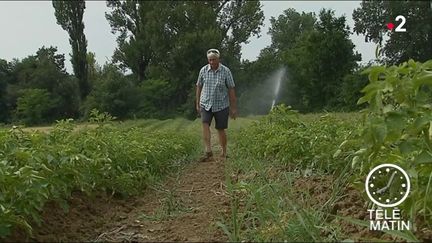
{"points": [[350, 90], [129, 19], [238, 21], [255, 82], [371, 19], [288, 27], [154, 103], [254, 77], [113, 93], [42, 70], [69, 15], [45, 71], [167, 40], [34, 106], [5, 70], [157, 29], [317, 62], [94, 69]]}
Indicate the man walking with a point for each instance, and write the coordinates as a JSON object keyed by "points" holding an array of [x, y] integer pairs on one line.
{"points": [[215, 97]]}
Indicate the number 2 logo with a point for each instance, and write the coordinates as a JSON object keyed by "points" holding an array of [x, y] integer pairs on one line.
{"points": [[400, 28]]}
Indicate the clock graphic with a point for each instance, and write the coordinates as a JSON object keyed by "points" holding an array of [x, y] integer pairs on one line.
{"points": [[387, 185]]}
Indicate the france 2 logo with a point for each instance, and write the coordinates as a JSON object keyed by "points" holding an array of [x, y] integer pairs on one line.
{"points": [[399, 28]]}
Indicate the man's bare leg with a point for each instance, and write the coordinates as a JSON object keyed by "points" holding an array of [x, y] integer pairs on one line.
{"points": [[223, 141], [206, 137]]}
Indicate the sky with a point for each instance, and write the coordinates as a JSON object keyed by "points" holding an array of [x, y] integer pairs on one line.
{"points": [[28, 25]]}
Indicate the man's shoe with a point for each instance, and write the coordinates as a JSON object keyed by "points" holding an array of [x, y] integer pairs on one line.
{"points": [[206, 157], [223, 157]]}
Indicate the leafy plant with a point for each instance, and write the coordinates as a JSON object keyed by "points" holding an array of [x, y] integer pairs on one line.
{"points": [[398, 129], [100, 117], [37, 167]]}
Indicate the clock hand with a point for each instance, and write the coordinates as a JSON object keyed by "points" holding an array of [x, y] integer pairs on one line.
{"points": [[388, 184]]}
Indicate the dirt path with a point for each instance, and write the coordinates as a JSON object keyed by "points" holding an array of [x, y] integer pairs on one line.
{"points": [[185, 207]]}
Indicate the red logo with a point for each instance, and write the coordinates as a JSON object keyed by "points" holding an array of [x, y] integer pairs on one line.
{"points": [[390, 26]]}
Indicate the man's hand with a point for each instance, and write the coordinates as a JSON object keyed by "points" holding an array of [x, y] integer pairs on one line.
{"points": [[198, 110], [233, 103], [233, 113]]}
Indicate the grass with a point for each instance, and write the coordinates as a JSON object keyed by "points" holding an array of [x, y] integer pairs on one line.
{"points": [[171, 206], [265, 206]]}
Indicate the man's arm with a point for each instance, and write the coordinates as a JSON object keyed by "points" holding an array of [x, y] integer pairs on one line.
{"points": [[198, 95], [233, 103], [231, 93], [199, 85]]}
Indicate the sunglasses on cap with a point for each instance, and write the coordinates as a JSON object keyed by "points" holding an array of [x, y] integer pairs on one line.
{"points": [[213, 51]]}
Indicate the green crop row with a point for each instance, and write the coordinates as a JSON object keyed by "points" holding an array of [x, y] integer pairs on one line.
{"points": [[38, 167], [267, 203], [283, 137]]}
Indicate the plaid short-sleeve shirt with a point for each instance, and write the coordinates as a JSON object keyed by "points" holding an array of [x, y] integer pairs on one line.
{"points": [[215, 85]]}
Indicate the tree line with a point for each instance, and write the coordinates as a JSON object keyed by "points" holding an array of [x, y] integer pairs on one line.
{"points": [[163, 45]]}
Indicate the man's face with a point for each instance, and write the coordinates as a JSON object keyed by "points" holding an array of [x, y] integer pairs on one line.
{"points": [[213, 61]]}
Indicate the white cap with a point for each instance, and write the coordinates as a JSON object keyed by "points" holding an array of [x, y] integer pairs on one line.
{"points": [[213, 52]]}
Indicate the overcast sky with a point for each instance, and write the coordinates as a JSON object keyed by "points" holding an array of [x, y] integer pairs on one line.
{"points": [[28, 25]]}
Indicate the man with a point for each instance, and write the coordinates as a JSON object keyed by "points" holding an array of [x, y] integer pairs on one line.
{"points": [[215, 97]]}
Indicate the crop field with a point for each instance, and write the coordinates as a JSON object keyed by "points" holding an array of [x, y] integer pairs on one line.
{"points": [[292, 184], [329, 108]]}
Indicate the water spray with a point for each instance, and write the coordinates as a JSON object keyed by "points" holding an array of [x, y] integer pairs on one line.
{"points": [[278, 79]]}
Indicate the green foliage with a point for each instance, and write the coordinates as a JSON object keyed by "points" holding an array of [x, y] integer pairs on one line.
{"points": [[69, 15], [94, 69], [350, 91], [253, 73], [398, 129], [4, 75], [155, 98], [33, 105], [124, 97], [129, 19], [38, 167], [395, 128], [169, 40], [266, 203], [254, 77], [318, 63], [113, 93], [100, 117], [318, 55], [45, 71], [289, 27], [372, 16], [286, 140]]}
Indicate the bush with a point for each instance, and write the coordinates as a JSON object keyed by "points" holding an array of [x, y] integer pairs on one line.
{"points": [[33, 105]]}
